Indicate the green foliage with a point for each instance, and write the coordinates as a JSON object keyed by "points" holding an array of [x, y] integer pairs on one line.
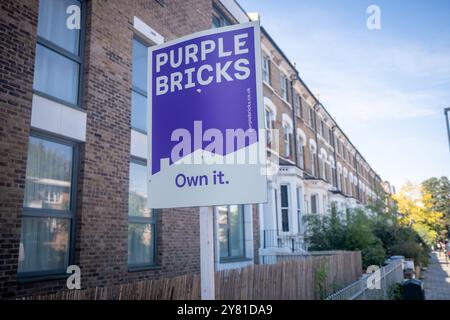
{"points": [[437, 198], [395, 292], [408, 228], [374, 253], [375, 235], [410, 245], [439, 189], [333, 232], [320, 281]]}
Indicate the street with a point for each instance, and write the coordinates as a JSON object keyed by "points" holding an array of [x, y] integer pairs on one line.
{"points": [[437, 278]]}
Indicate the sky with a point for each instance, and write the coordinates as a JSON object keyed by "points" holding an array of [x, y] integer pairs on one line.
{"points": [[386, 88]]}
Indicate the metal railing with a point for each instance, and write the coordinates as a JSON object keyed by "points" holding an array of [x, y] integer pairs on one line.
{"points": [[277, 239], [360, 290]]}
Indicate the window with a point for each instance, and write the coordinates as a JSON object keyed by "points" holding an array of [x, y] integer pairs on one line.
{"points": [[322, 129], [287, 141], [345, 185], [311, 119], [231, 232], [339, 180], [141, 220], [301, 152], [330, 137], [299, 207], [300, 107], [219, 19], [48, 209], [350, 185], [313, 162], [269, 126], [297, 105], [284, 87], [323, 173], [334, 176], [58, 54], [139, 87], [266, 69], [284, 208], [314, 203]]}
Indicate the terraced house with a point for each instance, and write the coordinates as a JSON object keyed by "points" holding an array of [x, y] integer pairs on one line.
{"points": [[319, 167], [73, 149]]}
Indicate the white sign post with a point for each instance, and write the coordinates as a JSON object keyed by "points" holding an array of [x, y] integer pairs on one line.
{"points": [[207, 282]]}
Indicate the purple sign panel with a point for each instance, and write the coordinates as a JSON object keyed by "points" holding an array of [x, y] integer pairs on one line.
{"points": [[205, 142]]}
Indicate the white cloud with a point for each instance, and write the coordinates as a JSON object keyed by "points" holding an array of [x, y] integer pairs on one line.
{"points": [[363, 81]]}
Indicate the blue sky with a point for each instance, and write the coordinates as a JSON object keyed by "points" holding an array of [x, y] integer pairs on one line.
{"points": [[386, 88]]}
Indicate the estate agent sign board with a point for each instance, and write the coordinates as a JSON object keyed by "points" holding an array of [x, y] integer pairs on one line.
{"points": [[206, 143]]}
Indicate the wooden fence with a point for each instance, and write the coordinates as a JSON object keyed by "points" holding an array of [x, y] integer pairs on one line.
{"points": [[310, 278]]}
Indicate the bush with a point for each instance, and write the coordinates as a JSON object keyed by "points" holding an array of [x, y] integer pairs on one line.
{"points": [[412, 250], [395, 292], [332, 232], [376, 237], [373, 254]]}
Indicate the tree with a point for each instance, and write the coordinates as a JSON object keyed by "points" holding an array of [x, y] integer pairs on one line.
{"points": [[415, 211], [437, 196]]}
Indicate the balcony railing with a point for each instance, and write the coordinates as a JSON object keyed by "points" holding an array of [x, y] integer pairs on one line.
{"points": [[275, 239]]}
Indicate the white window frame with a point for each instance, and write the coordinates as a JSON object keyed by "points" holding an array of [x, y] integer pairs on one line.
{"points": [[286, 139], [284, 87], [288, 208], [266, 68]]}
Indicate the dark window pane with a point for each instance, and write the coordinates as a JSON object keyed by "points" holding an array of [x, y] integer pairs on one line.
{"points": [[231, 231], [139, 65], [44, 244], [137, 199], [56, 75], [223, 242], [284, 196], [285, 219], [215, 22], [48, 176], [223, 215], [219, 19], [138, 111], [52, 24], [140, 244], [236, 240], [314, 204]]}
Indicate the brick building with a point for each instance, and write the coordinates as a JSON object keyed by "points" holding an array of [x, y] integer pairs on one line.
{"points": [[318, 166], [73, 148]]}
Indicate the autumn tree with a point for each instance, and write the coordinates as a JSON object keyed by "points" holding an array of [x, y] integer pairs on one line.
{"points": [[415, 211]]}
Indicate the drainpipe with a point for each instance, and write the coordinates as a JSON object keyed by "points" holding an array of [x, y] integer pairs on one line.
{"points": [[357, 174], [316, 158], [335, 158], [294, 121]]}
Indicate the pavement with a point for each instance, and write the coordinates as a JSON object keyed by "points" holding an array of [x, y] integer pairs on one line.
{"points": [[436, 278]]}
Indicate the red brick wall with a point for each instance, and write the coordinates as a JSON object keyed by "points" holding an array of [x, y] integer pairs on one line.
{"points": [[103, 189], [102, 200], [18, 25]]}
